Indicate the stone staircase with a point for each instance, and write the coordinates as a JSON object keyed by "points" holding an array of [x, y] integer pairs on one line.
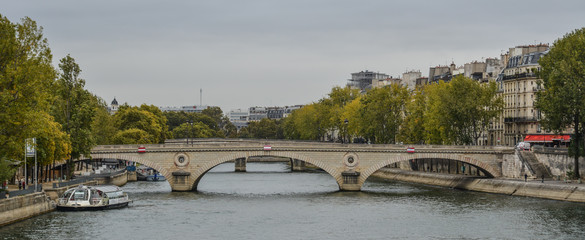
{"points": [[536, 167]]}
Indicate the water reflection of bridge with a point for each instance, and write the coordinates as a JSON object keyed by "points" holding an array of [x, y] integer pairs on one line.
{"points": [[349, 164]]}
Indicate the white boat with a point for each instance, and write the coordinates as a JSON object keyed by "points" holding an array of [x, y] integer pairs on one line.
{"points": [[84, 198]]}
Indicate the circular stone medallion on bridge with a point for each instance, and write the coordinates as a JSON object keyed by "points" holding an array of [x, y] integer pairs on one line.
{"points": [[181, 160], [350, 159]]}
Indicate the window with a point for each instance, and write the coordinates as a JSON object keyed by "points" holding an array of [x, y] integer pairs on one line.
{"points": [[80, 195]]}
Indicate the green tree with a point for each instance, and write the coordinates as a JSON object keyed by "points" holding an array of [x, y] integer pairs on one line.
{"points": [[412, 130], [212, 118], [136, 118], [382, 113], [26, 92], [264, 129], [305, 123], [7, 170], [563, 80], [243, 133], [334, 107], [160, 118], [103, 128], [175, 119], [460, 110], [435, 117], [318, 120], [225, 127], [197, 130], [229, 129], [52, 143], [132, 136], [74, 107], [351, 112], [288, 127], [214, 113]]}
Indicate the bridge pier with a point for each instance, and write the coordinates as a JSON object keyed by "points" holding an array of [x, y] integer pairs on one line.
{"points": [[298, 165], [241, 164], [350, 181], [180, 181]]}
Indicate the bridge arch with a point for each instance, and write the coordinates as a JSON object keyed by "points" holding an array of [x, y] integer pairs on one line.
{"points": [[227, 157], [493, 172], [156, 165]]}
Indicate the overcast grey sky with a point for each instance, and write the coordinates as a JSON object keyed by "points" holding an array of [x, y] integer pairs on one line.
{"points": [[276, 53]]}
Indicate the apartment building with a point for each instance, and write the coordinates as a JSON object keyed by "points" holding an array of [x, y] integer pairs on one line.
{"points": [[518, 85]]}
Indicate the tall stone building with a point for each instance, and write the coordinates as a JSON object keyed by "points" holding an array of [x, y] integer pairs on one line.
{"points": [[518, 86]]}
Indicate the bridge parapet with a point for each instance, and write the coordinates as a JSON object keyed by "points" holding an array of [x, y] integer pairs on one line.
{"points": [[304, 146]]}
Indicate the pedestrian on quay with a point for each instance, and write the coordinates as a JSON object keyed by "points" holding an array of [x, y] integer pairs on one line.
{"points": [[525, 177], [542, 178], [19, 185]]}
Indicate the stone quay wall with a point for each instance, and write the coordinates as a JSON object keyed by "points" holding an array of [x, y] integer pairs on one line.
{"points": [[547, 190], [22, 207], [119, 179], [557, 161]]}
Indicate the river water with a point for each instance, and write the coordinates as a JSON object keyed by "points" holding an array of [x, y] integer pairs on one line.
{"points": [[269, 202]]}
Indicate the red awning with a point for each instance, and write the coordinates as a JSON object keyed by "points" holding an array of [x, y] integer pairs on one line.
{"points": [[547, 138]]}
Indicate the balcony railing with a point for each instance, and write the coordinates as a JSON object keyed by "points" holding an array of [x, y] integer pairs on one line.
{"points": [[519, 75], [520, 119]]}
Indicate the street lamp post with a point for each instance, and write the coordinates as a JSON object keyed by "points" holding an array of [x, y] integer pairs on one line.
{"points": [[346, 130], [190, 132]]}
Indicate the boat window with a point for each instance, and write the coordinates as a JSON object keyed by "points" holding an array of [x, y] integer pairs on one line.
{"points": [[80, 195], [68, 193], [115, 194]]}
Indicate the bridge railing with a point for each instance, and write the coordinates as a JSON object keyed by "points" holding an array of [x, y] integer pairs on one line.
{"points": [[259, 143]]}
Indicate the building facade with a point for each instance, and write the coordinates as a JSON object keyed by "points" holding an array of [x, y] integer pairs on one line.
{"points": [[518, 85], [409, 79], [257, 113], [363, 80], [239, 118]]}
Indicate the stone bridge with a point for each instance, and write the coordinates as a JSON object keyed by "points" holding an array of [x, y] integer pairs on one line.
{"points": [[350, 165]]}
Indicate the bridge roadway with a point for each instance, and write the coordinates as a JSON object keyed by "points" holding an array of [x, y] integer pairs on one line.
{"points": [[349, 164]]}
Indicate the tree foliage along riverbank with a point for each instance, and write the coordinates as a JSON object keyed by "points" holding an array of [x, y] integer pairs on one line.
{"points": [[562, 100], [455, 112], [27, 93]]}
